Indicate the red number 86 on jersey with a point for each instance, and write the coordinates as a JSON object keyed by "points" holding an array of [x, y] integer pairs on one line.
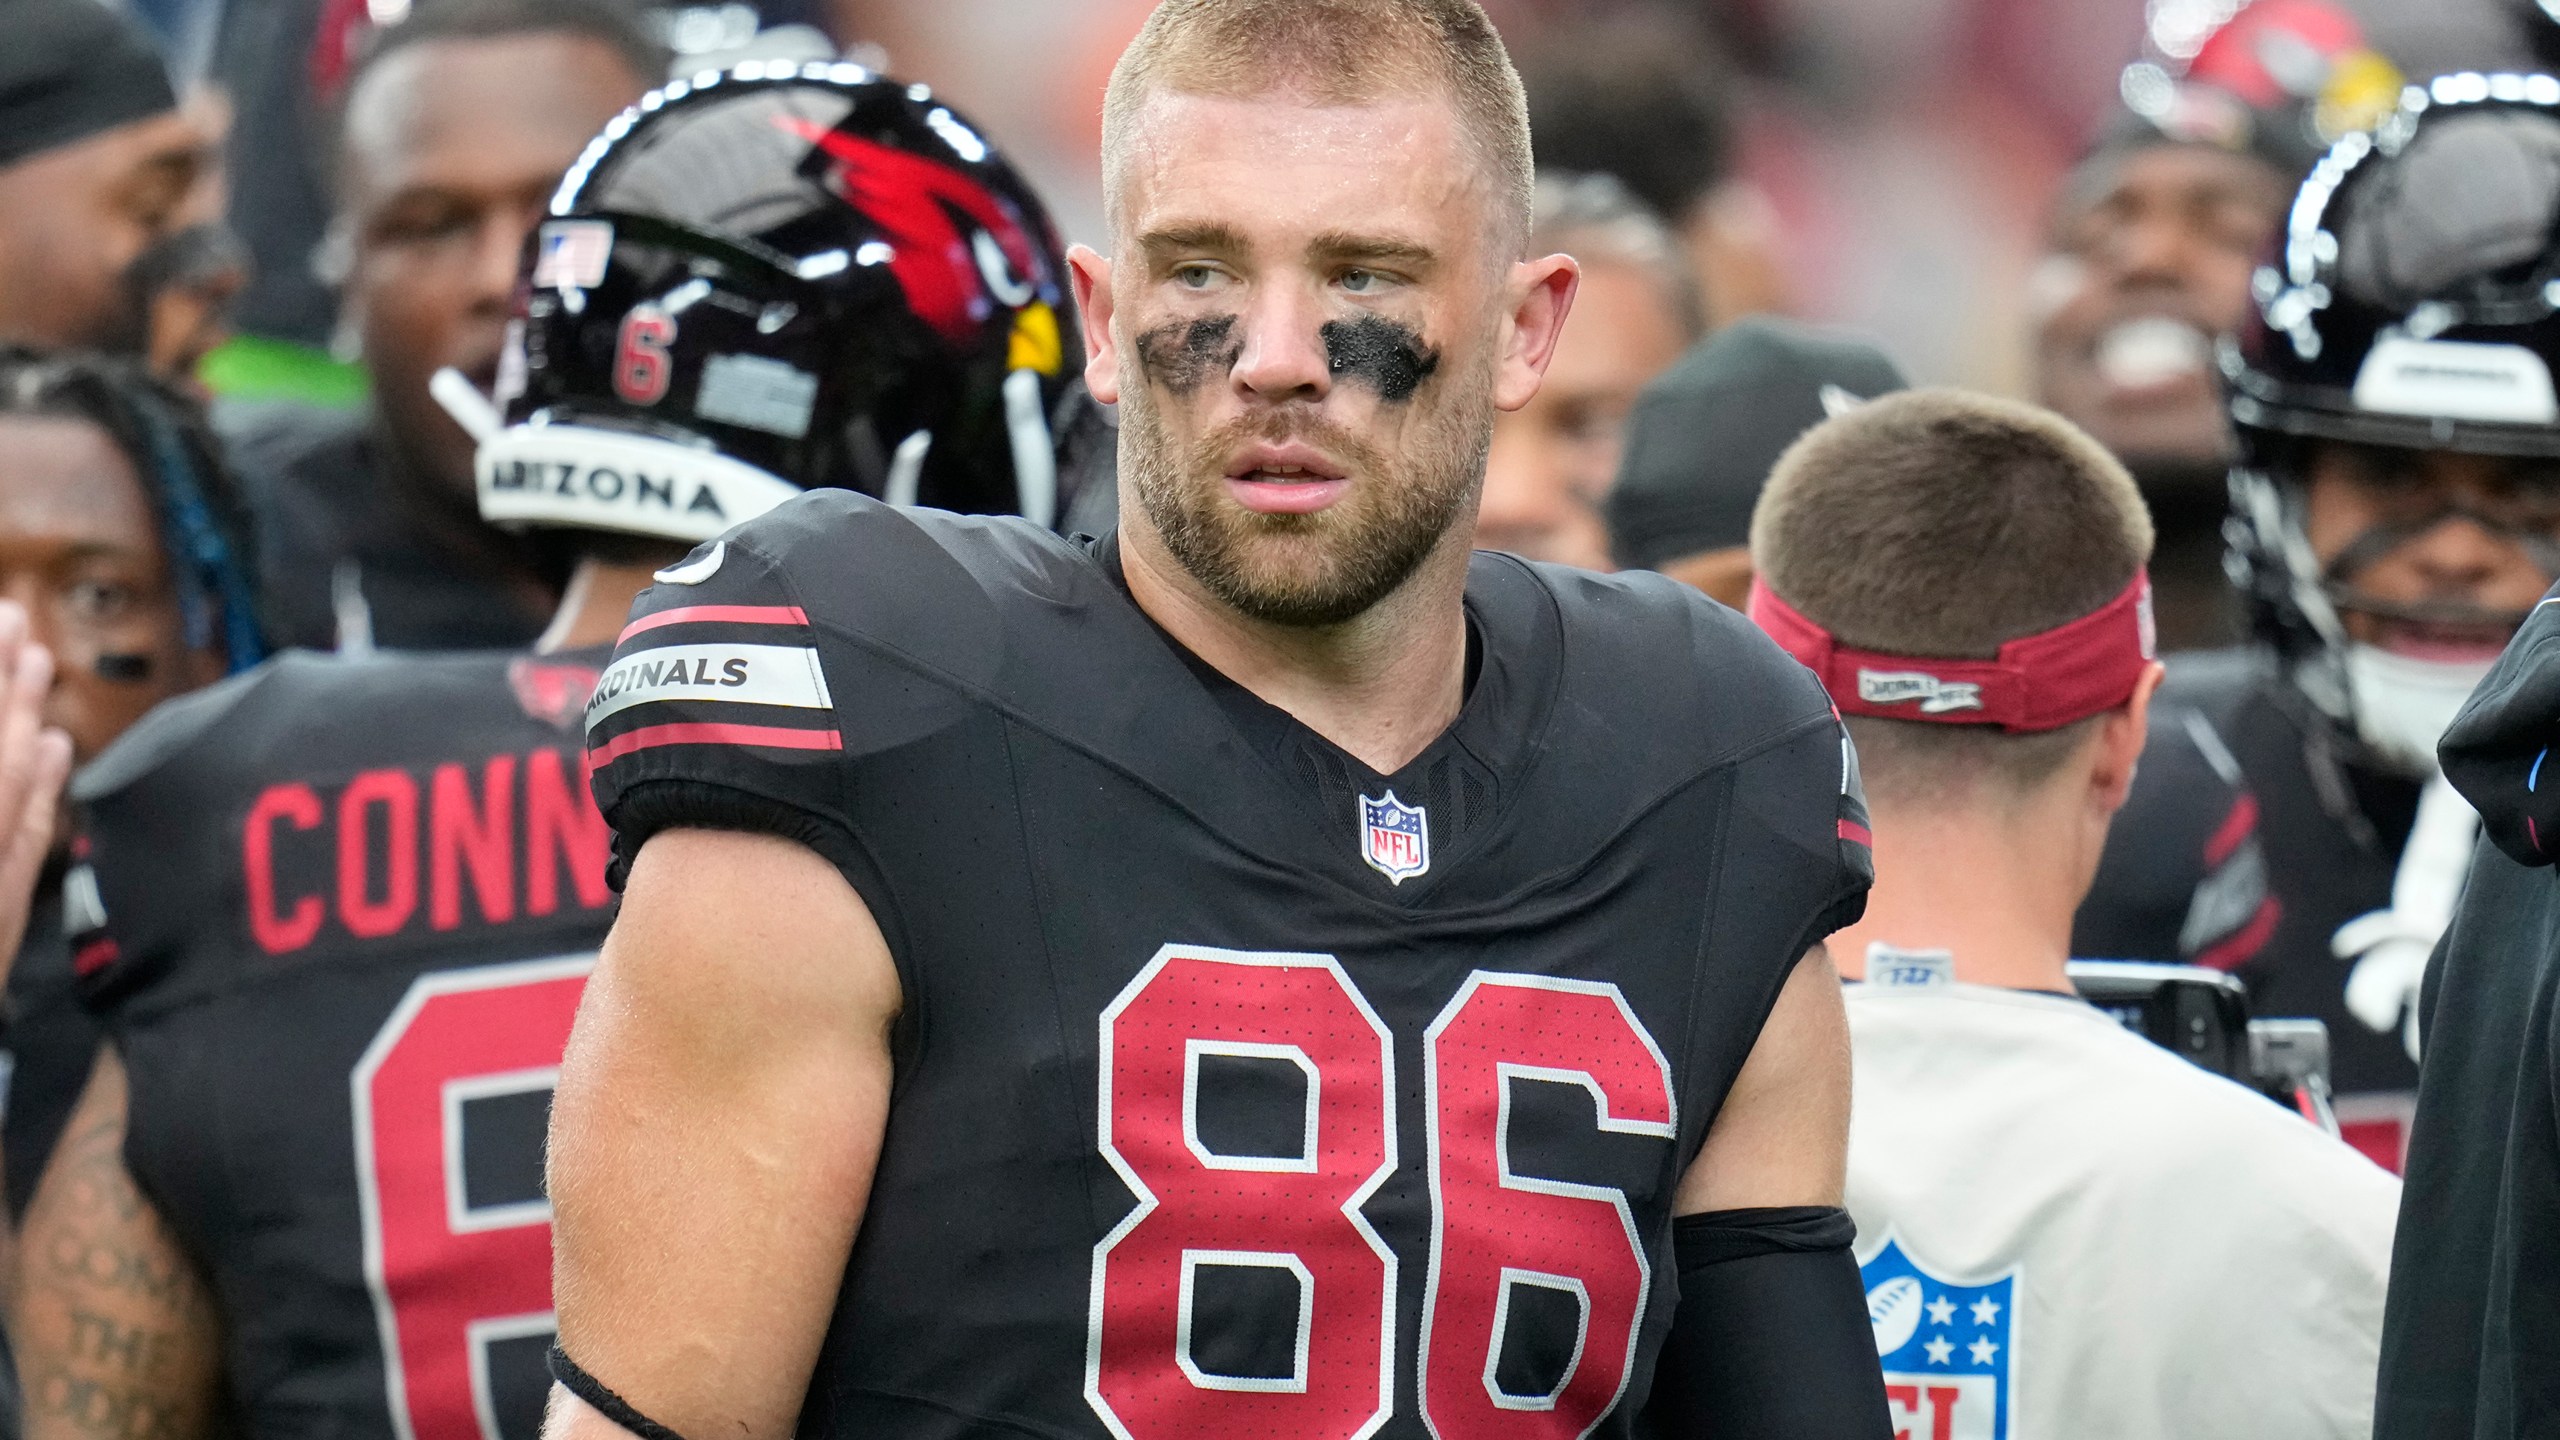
{"points": [[1298, 1216]]}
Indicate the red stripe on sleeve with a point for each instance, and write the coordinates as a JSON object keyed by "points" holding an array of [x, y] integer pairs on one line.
{"points": [[718, 614], [1857, 834], [2236, 827], [772, 737], [93, 957], [2242, 945]]}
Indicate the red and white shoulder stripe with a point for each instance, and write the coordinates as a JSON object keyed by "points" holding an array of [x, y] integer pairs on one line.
{"points": [[735, 675]]}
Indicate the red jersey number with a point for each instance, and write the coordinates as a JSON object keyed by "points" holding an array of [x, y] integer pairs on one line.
{"points": [[448, 1278], [1197, 1207], [1579, 1240], [1492, 1230], [642, 368]]}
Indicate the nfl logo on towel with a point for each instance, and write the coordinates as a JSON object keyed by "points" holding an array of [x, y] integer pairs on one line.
{"points": [[1948, 1349], [1395, 838]]}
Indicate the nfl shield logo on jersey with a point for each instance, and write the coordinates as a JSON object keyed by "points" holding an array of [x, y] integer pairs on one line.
{"points": [[1946, 1347], [1395, 838]]}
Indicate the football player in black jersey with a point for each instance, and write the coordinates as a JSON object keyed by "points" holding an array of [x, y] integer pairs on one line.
{"points": [[339, 912], [1273, 971], [123, 537], [2396, 512]]}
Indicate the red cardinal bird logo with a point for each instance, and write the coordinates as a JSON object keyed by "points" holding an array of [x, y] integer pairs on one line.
{"points": [[953, 281]]}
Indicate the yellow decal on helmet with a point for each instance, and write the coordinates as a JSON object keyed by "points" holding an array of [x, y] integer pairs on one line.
{"points": [[2361, 90], [1035, 339]]}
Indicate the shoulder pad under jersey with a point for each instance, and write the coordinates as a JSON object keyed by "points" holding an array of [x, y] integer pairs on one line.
{"points": [[1696, 685], [833, 624]]}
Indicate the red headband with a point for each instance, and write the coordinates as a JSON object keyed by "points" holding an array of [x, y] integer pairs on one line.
{"points": [[2039, 682]]}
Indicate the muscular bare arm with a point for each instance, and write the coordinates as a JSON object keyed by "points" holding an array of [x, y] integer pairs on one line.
{"points": [[115, 1331], [1782, 1137], [713, 1137]]}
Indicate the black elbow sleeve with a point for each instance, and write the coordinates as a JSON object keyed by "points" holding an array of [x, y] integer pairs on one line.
{"points": [[1771, 1340]]}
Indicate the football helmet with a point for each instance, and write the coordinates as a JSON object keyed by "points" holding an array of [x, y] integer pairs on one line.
{"points": [[2412, 300], [779, 277]]}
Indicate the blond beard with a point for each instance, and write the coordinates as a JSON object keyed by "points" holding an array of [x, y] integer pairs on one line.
{"points": [[1331, 566]]}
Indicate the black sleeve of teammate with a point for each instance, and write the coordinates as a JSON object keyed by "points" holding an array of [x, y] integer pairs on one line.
{"points": [[1771, 1340]]}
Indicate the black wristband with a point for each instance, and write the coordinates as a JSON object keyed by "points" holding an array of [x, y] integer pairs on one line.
{"points": [[1771, 1339], [578, 1382]]}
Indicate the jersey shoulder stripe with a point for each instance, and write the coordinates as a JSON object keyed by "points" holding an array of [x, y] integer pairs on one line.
{"points": [[716, 614], [713, 674], [770, 737]]}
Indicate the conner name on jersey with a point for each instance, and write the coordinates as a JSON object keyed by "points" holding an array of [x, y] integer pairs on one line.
{"points": [[392, 851], [784, 675]]}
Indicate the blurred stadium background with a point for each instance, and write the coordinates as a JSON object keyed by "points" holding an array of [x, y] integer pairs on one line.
{"points": [[1899, 156]]}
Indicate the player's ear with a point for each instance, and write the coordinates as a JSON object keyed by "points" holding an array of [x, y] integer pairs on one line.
{"points": [[1092, 275], [1540, 295], [2121, 735]]}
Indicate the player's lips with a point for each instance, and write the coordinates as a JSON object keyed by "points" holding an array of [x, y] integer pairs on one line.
{"points": [[1285, 479]]}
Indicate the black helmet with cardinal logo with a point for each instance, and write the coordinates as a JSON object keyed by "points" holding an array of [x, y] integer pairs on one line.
{"points": [[776, 278]]}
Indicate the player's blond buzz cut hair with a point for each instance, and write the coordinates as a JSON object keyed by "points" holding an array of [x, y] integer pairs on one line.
{"points": [[1333, 52]]}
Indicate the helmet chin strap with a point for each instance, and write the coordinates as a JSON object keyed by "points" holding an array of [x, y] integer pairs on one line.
{"points": [[458, 397]]}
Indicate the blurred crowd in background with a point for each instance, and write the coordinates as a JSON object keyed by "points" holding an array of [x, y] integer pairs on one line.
{"points": [[1887, 166], [1904, 170]]}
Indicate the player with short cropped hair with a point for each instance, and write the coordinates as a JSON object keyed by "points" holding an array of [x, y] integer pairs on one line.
{"points": [[336, 913], [1273, 970], [2065, 1229], [101, 176], [451, 136]]}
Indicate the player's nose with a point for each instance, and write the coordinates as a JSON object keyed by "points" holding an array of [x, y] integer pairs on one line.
{"points": [[2458, 555], [1283, 356]]}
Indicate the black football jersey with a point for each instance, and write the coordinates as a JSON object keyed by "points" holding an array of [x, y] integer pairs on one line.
{"points": [[337, 915], [2245, 849], [1242, 1090], [46, 1049]]}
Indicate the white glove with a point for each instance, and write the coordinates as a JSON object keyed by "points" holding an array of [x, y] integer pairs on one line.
{"points": [[2390, 947], [2390, 954]]}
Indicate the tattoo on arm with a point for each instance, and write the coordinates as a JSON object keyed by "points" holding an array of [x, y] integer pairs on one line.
{"points": [[116, 1333]]}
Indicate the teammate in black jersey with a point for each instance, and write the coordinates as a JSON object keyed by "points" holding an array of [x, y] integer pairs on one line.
{"points": [[1269, 972], [2396, 512], [122, 534], [339, 912]]}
